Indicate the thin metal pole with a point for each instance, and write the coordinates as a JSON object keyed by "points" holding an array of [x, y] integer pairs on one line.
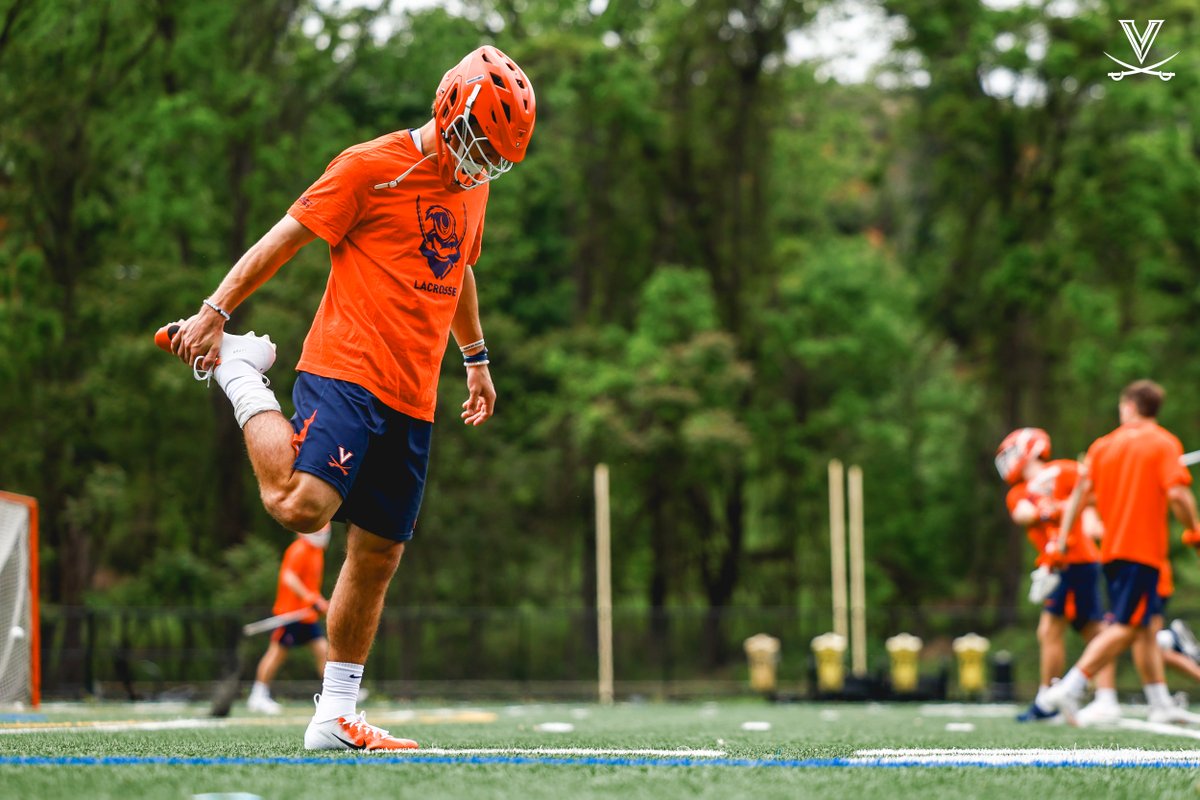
{"points": [[837, 545], [604, 616], [858, 586]]}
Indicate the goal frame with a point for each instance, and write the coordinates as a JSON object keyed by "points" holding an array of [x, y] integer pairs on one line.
{"points": [[35, 644]]}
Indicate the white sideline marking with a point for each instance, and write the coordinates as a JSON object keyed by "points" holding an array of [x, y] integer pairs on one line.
{"points": [[968, 710], [999, 756], [434, 717], [1158, 727], [567, 751]]}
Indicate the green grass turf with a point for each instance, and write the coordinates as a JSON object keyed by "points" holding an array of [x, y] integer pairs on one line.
{"points": [[797, 732]]}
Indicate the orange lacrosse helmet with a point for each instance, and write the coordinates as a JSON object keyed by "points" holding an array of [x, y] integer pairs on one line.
{"points": [[1018, 449], [484, 112]]}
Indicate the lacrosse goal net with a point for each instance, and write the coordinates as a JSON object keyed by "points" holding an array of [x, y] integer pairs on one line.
{"points": [[19, 652]]}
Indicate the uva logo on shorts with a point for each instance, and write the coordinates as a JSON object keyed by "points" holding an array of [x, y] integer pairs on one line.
{"points": [[342, 460], [440, 242]]}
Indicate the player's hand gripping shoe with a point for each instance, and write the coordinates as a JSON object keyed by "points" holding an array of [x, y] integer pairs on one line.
{"points": [[352, 733], [258, 351], [239, 373]]}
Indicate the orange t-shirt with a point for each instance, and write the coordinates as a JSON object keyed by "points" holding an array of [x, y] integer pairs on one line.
{"points": [[307, 561], [1131, 470], [398, 256], [1055, 482]]}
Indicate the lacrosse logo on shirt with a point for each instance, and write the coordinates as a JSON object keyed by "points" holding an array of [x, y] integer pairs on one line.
{"points": [[1141, 42]]}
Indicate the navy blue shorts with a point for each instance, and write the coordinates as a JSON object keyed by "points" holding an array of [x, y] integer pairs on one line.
{"points": [[295, 634], [375, 457], [1132, 592], [1077, 597]]}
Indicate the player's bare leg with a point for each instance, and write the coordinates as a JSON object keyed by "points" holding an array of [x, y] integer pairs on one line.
{"points": [[260, 700], [1104, 708], [298, 500], [357, 600], [1180, 663], [1148, 658], [354, 611], [320, 651], [1051, 635]]}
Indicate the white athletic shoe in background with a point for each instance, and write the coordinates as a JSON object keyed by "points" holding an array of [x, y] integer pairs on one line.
{"points": [[1172, 715], [1057, 698], [263, 704], [1098, 713]]}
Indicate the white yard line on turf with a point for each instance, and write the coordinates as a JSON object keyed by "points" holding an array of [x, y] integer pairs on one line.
{"points": [[200, 723], [1000, 756]]}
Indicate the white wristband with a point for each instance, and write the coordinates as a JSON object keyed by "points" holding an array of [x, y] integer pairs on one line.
{"points": [[217, 308]]}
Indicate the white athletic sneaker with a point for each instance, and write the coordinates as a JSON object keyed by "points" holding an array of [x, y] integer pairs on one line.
{"points": [[259, 351], [1098, 713], [1172, 715], [352, 733], [1057, 698], [263, 704]]}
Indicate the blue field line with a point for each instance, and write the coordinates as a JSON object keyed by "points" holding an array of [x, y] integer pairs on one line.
{"points": [[588, 761]]}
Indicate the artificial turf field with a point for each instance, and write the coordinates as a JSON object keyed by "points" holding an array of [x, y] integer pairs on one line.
{"points": [[701, 750]]}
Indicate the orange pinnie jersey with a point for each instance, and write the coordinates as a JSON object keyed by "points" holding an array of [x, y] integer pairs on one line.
{"points": [[1131, 470], [1055, 482], [398, 252], [307, 561]]}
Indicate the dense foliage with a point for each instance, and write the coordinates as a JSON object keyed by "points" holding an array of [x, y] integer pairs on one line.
{"points": [[715, 272]]}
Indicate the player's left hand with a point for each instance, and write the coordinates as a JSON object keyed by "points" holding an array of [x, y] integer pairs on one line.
{"points": [[1192, 538], [478, 407]]}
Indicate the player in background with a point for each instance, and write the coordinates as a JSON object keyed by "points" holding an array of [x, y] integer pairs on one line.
{"points": [[299, 587], [1134, 475], [1180, 649], [403, 217], [1039, 492]]}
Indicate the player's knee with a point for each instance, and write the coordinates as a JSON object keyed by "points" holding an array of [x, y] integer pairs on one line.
{"points": [[295, 510], [378, 559]]}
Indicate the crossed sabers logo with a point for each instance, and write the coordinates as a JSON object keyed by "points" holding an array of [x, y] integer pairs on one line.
{"points": [[1141, 44]]}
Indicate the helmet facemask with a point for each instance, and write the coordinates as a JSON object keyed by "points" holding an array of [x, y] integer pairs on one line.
{"points": [[470, 160]]}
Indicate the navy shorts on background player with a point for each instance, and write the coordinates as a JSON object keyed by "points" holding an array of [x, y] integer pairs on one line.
{"points": [[1132, 592], [1077, 597]]}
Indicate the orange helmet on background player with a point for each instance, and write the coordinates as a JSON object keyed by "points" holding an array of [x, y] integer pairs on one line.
{"points": [[1018, 449], [484, 112]]}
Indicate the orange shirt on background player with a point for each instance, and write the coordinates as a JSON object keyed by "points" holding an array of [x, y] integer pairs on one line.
{"points": [[1131, 470], [398, 255], [1055, 482], [307, 561]]}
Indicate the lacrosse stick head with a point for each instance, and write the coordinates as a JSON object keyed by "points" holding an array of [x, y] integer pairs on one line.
{"points": [[1018, 449]]}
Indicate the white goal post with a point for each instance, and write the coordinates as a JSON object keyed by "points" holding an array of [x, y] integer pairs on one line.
{"points": [[20, 669]]}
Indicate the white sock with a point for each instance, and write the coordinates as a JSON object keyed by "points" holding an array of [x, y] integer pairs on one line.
{"points": [[339, 691], [259, 689], [244, 386], [1037, 700], [1075, 682], [1157, 695], [1107, 696]]}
